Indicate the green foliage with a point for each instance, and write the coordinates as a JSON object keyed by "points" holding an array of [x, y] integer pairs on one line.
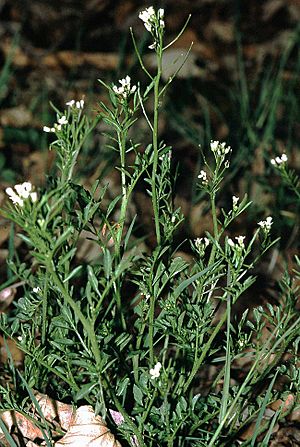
{"points": [[86, 339]]}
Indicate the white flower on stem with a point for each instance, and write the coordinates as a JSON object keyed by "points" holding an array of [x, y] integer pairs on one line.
{"points": [[235, 201], [148, 17], [63, 120], [160, 16], [80, 104], [266, 224], [201, 243], [230, 242], [48, 129], [16, 200], [36, 289], [238, 244], [155, 372], [219, 149], [70, 103], [126, 89], [22, 192], [279, 161], [153, 22], [240, 241], [203, 177]]}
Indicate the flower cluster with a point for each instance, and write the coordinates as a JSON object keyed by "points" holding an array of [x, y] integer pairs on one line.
{"points": [[219, 149], [77, 104], [201, 243], [266, 224], [57, 126], [126, 89], [279, 161], [155, 372], [21, 193], [203, 177], [151, 20], [154, 23], [239, 244]]}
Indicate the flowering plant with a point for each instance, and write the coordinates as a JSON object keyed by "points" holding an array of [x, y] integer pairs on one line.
{"points": [[141, 359]]}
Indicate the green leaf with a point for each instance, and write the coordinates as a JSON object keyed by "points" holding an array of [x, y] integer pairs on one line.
{"points": [[193, 278], [84, 390], [138, 395]]}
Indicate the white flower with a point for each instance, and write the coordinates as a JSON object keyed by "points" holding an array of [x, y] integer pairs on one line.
{"points": [[36, 289], [77, 104], [63, 120], [148, 17], [151, 20], [155, 372], [203, 177], [126, 89], [22, 192], [235, 201], [240, 241], [70, 103], [33, 196], [14, 197], [230, 242], [279, 161], [266, 224], [239, 244], [48, 129], [201, 243], [219, 149], [80, 104]]}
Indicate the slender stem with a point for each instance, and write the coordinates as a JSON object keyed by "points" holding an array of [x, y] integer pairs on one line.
{"points": [[215, 226], [155, 146], [151, 329], [44, 311], [224, 402], [122, 149]]}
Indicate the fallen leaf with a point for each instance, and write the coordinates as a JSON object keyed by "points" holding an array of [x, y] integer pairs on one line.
{"points": [[53, 409], [87, 430], [25, 426]]}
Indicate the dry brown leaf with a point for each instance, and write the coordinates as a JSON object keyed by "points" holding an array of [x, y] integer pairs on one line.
{"points": [[25, 426], [286, 404], [53, 409], [87, 430]]}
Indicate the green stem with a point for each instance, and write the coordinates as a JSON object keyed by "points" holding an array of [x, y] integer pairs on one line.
{"points": [[44, 311], [215, 227], [155, 146], [225, 395], [151, 329], [122, 149]]}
